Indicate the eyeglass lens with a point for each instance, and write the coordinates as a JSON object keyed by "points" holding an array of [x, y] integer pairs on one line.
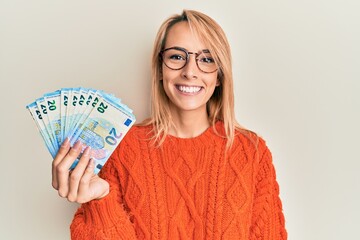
{"points": [[177, 59]]}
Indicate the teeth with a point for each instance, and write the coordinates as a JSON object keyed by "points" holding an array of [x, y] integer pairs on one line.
{"points": [[189, 89]]}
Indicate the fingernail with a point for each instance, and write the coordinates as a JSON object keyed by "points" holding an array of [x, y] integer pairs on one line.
{"points": [[65, 142], [87, 151], [77, 145]]}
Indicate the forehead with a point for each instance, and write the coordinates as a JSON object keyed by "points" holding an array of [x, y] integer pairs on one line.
{"points": [[181, 35]]}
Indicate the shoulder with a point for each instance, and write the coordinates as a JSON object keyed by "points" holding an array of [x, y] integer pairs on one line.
{"points": [[134, 139], [250, 139], [251, 144], [243, 138], [138, 133], [135, 142]]}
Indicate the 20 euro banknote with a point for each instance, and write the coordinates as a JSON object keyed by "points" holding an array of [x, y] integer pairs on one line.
{"points": [[95, 118]]}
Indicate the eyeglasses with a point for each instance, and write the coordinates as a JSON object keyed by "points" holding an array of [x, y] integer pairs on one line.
{"points": [[176, 58]]}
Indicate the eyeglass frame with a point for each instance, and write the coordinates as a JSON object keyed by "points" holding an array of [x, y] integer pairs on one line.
{"points": [[161, 53]]}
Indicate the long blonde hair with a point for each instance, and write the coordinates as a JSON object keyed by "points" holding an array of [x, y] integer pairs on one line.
{"points": [[221, 104]]}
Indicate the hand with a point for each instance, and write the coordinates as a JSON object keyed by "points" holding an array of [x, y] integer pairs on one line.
{"points": [[80, 184]]}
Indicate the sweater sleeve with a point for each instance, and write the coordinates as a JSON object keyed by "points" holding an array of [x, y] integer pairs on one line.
{"points": [[106, 218], [268, 221]]}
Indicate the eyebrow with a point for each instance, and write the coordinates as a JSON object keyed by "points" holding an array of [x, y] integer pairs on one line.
{"points": [[204, 50]]}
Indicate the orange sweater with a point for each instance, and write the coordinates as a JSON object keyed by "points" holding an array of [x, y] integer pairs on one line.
{"points": [[187, 189]]}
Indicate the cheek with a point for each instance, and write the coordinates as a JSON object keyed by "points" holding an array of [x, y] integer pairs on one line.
{"points": [[165, 85], [213, 80], [169, 76]]}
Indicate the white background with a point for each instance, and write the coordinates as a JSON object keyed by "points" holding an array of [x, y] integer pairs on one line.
{"points": [[297, 83]]}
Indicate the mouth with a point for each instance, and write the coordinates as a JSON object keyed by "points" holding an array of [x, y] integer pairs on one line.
{"points": [[189, 89]]}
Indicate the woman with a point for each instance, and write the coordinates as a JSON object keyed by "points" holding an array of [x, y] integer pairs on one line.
{"points": [[189, 171]]}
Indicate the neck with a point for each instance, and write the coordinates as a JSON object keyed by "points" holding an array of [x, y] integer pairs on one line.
{"points": [[189, 124]]}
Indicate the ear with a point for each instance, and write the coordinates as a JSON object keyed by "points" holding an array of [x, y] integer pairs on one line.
{"points": [[161, 73], [218, 82], [219, 77]]}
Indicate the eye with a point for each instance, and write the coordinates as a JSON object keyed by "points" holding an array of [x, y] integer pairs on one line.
{"points": [[207, 60], [176, 57]]}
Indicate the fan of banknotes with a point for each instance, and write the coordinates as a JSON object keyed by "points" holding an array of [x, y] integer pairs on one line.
{"points": [[97, 119]]}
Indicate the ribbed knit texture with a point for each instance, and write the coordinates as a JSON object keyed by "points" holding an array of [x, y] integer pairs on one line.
{"points": [[186, 189]]}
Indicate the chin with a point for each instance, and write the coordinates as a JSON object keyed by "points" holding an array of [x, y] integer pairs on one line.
{"points": [[192, 108]]}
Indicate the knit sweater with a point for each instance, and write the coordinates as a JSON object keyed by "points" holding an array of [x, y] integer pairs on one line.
{"points": [[189, 188]]}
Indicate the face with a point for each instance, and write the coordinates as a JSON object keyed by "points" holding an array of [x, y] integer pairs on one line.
{"points": [[188, 89]]}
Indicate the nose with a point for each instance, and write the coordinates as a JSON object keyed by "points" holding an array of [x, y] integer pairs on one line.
{"points": [[190, 70]]}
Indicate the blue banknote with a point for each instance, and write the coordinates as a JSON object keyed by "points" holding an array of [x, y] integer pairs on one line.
{"points": [[97, 119]]}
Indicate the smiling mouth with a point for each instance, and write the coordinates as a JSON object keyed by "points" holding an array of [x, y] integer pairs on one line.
{"points": [[187, 89]]}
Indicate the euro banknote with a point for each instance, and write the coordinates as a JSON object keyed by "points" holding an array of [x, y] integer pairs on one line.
{"points": [[97, 119]]}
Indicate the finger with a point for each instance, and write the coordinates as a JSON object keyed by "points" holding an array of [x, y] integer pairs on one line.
{"points": [[84, 193], [62, 169], [63, 150], [76, 175]]}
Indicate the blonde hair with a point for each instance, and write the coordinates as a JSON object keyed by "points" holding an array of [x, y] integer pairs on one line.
{"points": [[221, 104]]}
